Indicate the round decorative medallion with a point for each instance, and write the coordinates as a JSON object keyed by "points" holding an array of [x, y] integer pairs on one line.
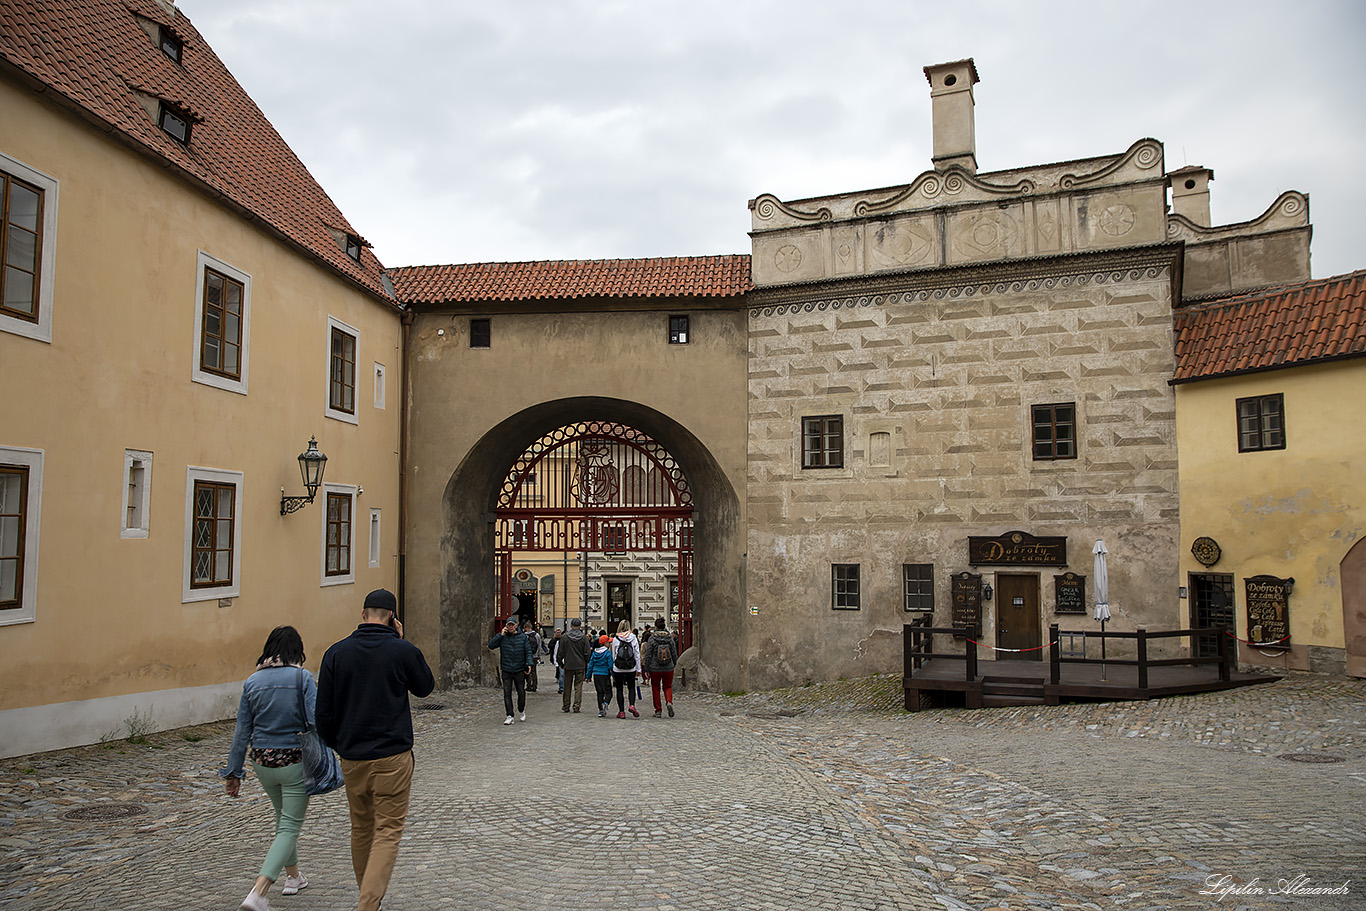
{"points": [[1207, 551], [1117, 219], [787, 258], [523, 575]]}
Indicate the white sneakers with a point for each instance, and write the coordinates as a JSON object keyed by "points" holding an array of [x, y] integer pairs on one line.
{"points": [[522, 716], [509, 719], [292, 884], [254, 902]]}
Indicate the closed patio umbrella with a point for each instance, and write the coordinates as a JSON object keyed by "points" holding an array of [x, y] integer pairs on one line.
{"points": [[1101, 573]]}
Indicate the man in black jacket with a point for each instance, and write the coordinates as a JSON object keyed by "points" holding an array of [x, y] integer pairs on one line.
{"points": [[515, 661], [363, 714], [572, 657]]}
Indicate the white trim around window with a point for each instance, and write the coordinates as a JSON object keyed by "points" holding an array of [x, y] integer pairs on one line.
{"points": [[348, 491], [352, 417], [47, 254], [202, 262], [32, 459], [137, 493], [233, 587], [376, 542]]}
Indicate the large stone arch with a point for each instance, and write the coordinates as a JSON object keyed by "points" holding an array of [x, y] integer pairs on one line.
{"points": [[1353, 579], [467, 547]]}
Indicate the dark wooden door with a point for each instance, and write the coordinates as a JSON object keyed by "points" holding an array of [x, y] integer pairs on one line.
{"points": [[618, 605], [1017, 614]]}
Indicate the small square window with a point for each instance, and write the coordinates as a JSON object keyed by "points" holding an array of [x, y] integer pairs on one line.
{"points": [[353, 247], [823, 442], [917, 581], [137, 490], [844, 586], [678, 330], [170, 45], [481, 333], [1261, 423], [175, 123], [1055, 432]]}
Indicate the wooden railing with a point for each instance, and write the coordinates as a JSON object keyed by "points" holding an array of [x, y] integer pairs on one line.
{"points": [[918, 640], [1142, 637]]}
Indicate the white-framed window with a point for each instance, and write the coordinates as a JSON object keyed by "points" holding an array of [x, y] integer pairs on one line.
{"points": [[213, 534], [28, 249], [21, 494], [374, 537], [379, 386], [338, 533], [222, 324], [137, 493], [343, 341]]}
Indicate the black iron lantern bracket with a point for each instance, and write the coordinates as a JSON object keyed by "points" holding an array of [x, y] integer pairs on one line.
{"points": [[312, 463]]}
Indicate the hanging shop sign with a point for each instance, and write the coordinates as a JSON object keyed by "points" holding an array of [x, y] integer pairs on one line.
{"points": [[1017, 548], [966, 589], [526, 582], [1268, 611], [1206, 551], [1069, 591]]}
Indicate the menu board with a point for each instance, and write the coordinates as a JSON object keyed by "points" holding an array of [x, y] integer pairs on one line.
{"points": [[1069, 591], [1268, 611], [967, 602]]}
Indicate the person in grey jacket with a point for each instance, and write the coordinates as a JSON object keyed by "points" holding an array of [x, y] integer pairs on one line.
{"points": [[515, 661], [572, 657]]}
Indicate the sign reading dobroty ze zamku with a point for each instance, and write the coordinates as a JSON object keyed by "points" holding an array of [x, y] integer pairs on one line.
{"points": [[1268, 611], [1017, 548]]}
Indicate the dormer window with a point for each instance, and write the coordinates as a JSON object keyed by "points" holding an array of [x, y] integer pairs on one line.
{"points": [[175, 123], [353, 247], [170, 45]]}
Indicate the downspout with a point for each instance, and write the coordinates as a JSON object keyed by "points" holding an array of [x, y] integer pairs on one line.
{"points": [[403, 466]]}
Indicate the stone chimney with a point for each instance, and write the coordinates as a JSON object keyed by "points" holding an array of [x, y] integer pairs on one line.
{"points": [[1190, 193], [955, 139]]}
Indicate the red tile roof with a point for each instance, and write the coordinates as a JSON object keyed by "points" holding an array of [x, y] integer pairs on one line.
{"points": [[1286, 326], [93, 54], [673, 276]]}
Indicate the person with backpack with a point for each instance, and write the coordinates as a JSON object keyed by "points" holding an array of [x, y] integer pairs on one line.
{"points": [[600, 672], [660, 656], [625, 666]]}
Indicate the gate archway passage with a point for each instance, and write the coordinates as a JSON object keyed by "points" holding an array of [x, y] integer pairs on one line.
{"points": [[596, 487]]}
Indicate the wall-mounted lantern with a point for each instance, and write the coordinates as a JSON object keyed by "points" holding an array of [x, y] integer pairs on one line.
{"points": [[311, 466], [986, 592]]}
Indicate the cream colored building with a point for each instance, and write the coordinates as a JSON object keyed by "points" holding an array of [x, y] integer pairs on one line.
{"points": [[201, 311]]}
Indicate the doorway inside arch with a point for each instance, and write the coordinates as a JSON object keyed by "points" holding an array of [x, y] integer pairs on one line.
{"points": [[594, 521]]}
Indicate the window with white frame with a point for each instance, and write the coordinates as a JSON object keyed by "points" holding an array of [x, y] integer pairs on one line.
{"points": [[222, 324], [28, 246], [338, 533], [213, 534], [21, 485], [374, 538], [137, 493], [342, 343]]}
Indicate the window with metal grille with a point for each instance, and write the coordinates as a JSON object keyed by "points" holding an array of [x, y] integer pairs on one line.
{"points": [[21, 239], [13, 522], [844, 586], [678, 330], [1055, 431], [212, 541], [221, 344], [342, 378], [917, 583], [481, 333], [823, 441], [1261, 423], [338, 534]]}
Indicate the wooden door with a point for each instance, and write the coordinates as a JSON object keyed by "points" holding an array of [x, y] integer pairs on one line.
{"points": [[1017, 615], [1212, 606], [618, 605]]}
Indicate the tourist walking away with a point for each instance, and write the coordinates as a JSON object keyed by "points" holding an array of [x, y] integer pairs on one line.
{"points": [[555, 644], [515, 661], [277, 700], [600, 672], [532, 684], [364, 714], [659, 657], [625, 666], [572, 652]]}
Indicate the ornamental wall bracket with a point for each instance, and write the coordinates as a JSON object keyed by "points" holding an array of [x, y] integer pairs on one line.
{"points": [[766, 205], [1206, 551]]}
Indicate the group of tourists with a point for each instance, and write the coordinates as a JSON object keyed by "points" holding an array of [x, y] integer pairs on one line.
{"points": [[610, 661]]}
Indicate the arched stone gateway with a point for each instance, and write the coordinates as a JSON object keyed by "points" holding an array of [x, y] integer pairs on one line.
{"points": [[471, 505]]}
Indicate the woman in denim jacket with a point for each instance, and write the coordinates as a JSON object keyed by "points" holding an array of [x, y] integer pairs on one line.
{"points": [[268, 720]]}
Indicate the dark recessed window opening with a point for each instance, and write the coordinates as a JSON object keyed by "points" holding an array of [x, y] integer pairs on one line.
{"points": [[174, 123], [481, 333], [678, 330], [171, 46], [1055, 432], [917, 581], [823, 441], [1261, 423], [844, 586], [353, 247]]}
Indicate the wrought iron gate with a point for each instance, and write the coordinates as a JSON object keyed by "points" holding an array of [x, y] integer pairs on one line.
{"points": [[597, 487]]}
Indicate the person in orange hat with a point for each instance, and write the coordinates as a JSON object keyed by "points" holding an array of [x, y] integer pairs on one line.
{"points": [[600, 669]]}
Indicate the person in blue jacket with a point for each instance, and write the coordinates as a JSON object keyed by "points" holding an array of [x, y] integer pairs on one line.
{"points": [[515, 661], [600, 672]]}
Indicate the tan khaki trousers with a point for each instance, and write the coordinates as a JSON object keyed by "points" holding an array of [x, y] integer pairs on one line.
{"points": [[377, 790]]}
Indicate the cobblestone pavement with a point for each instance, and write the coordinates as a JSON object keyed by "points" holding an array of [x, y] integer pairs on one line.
{"points": [[826, 797]]}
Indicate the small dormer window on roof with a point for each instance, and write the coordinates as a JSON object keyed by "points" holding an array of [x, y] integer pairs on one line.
{"points": [[175, 123], [170, 45], [353, 246]]}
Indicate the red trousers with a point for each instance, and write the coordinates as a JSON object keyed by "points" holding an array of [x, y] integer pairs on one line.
{"points": [[666, 680]]}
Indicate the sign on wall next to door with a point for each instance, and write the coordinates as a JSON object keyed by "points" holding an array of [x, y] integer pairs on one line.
{"points": [[1017, 548], [1268, 611]]}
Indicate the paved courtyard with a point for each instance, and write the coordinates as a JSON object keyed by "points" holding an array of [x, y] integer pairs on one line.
{"points": [[825, 797]]}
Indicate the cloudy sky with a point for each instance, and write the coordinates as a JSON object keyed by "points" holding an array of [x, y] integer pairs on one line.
{"points": [[460, 131]]}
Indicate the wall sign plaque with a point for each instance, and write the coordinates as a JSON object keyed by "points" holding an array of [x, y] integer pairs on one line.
{"points": [[1206, 551], [1017, 548], [1069, 591], [1268, 611], [966, 589]]}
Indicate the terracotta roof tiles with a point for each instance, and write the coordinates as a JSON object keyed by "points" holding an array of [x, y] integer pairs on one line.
{"points": [[674, 276], [1286, 326], [96, 58]]}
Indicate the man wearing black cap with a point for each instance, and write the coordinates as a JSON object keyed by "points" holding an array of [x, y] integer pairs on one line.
{"points": [[363, 714]]}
